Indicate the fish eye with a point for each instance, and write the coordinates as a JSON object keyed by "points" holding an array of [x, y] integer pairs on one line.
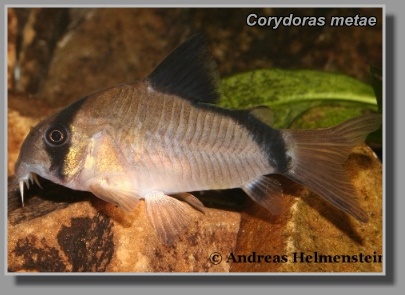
{"points": [[56, 135]]}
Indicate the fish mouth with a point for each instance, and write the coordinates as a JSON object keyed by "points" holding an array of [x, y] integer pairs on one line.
{"points": [[29, 178]]}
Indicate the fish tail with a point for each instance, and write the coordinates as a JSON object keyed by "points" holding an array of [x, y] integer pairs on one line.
{"points": [[316, 157]]}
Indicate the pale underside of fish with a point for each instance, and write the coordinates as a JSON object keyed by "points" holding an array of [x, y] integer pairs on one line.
{"points": [[162, 137]]}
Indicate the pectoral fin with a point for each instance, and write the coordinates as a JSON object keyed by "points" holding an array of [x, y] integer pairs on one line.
{"points": [[267, 192], [113, 193], [168, 215]]}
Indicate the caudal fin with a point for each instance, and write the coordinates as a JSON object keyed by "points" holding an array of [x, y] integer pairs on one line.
{"points": [[317, 157]]}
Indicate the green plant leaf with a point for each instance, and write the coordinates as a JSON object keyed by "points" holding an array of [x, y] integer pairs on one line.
{"points": [[292, 93], [376, 82]]}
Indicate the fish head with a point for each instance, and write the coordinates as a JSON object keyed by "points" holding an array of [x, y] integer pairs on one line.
{"points": [[52, 150], [34, 155]]}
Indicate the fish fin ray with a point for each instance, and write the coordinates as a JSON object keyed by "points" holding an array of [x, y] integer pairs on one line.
{"points": [[267, 192], [332, 184], [317, 155], [168, 215], [116, 194], [191, 200], [189, 71]]}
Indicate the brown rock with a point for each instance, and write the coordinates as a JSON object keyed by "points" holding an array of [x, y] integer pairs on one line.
{"points": [[92, 236], [121, 51], [11, 46], [42, 29]]}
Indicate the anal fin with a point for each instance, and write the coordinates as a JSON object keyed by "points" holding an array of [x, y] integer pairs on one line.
{"points": [[168, 215], [267, 192]]}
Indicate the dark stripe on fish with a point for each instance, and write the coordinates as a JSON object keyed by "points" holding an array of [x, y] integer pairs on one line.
{"points": [[275, 148], [58, 154]]}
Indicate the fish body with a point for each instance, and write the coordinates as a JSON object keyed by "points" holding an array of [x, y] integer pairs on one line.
{"points": [[162, 137]]}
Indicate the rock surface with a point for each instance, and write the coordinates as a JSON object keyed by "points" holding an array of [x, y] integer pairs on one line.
{"points": [[92, 236], [60, 230]]}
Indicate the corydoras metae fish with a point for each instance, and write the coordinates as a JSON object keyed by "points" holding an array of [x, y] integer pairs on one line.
{"points": [[163, 137]]}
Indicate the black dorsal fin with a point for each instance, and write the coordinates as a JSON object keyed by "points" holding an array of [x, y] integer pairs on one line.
{"points": [[189, 72]]}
